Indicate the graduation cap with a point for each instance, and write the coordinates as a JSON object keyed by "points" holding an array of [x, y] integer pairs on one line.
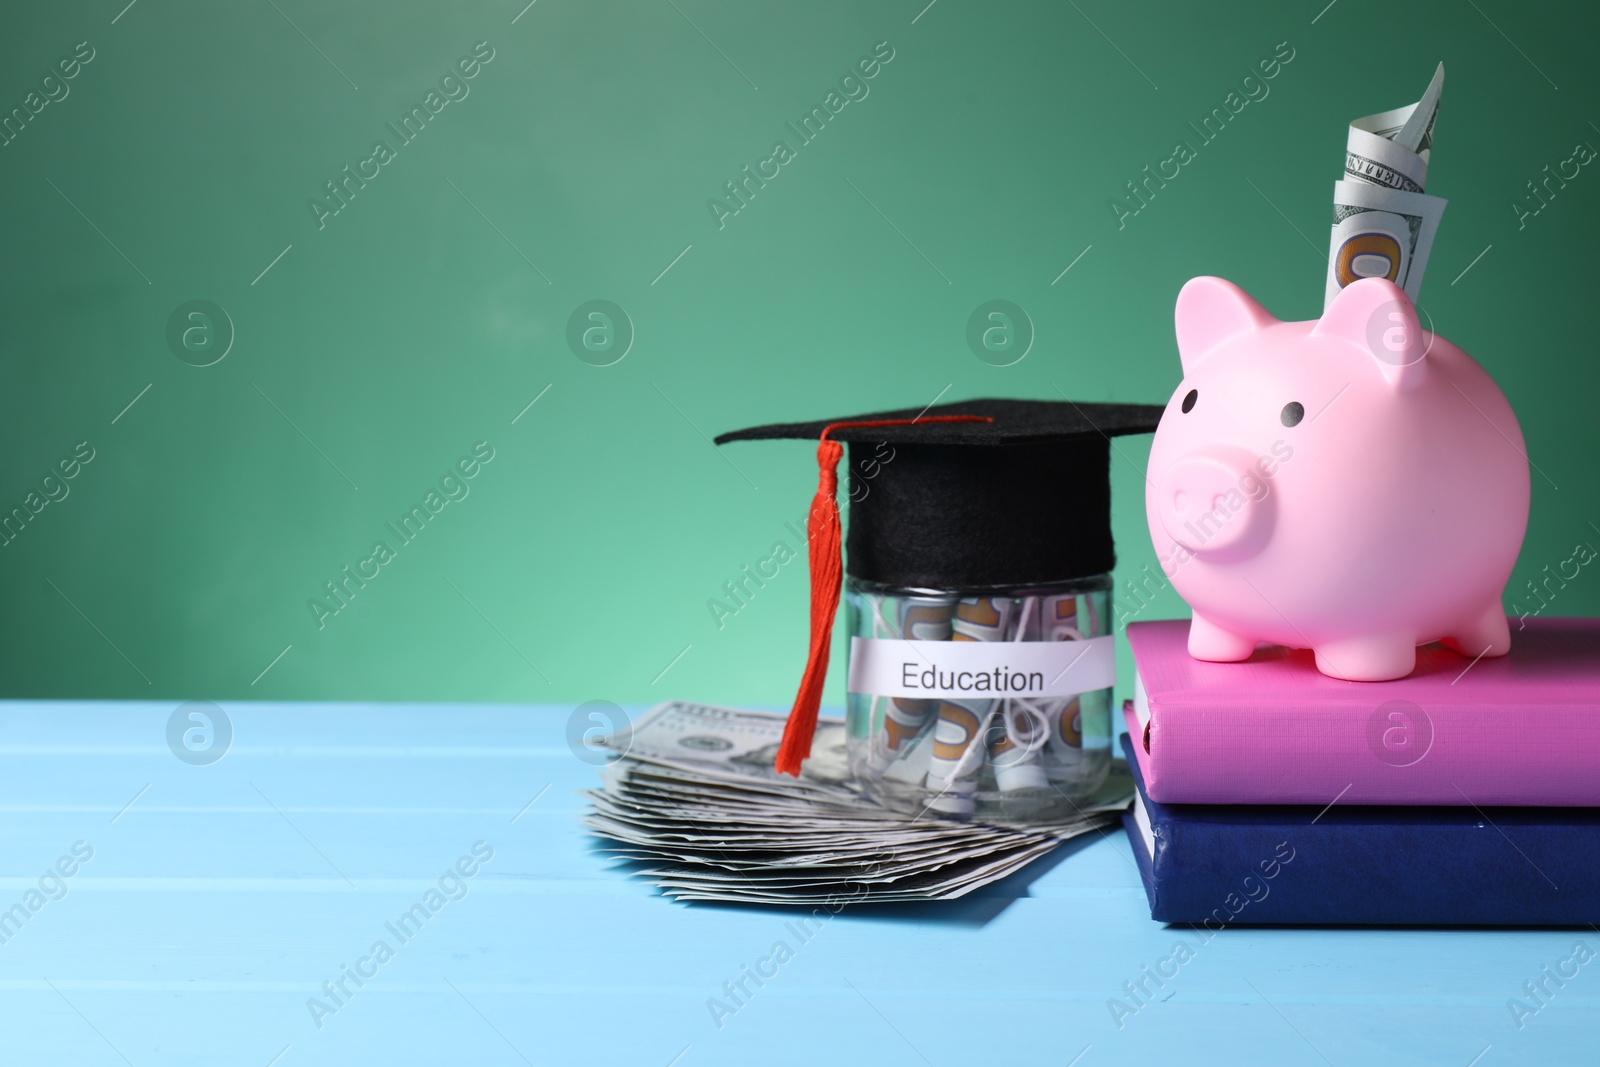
{"points": [[976, 494]]}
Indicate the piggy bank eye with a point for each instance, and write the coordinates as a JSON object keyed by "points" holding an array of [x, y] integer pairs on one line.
{"points": [[1292, 414], [1188, 401]]}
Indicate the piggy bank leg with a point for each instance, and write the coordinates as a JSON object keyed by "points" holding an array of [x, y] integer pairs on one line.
{"points": [[1487, 635], [1370, 658], [1208, 641]]}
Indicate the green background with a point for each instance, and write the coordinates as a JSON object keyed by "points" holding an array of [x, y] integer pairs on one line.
{"points": [[432, 309]]}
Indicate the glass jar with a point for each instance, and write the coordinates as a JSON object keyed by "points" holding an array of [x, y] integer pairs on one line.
{"points": [[989, 704]]}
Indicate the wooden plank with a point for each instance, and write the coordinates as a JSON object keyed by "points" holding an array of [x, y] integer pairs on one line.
{"points": [[217, 905]]}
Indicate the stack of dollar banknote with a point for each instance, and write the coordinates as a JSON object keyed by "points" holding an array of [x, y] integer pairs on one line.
{"points": [[690, 797]]}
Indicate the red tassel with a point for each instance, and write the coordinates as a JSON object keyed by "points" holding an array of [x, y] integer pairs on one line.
{"points": [[827, 569]]}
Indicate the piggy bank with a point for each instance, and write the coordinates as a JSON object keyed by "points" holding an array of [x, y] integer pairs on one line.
{"points": [[1355, 485]]}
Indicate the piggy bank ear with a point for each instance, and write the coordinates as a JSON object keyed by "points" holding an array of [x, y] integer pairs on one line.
{"points": [[1211, 310], [1376, 316]]}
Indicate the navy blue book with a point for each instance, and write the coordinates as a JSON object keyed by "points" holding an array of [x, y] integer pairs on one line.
{"points": [[1216, 866]]}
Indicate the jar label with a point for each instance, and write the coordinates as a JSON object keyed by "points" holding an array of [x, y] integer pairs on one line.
{"points": [[981, 669]]}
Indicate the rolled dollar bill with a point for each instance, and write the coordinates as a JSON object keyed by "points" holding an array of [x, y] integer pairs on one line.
{"points": [[904, 717], [1067, 618], [952, 781], [1381, 233], [1020, 728], [1377, 160], [1383, 221], [1066, 730], [958, 757], [1417, 133], [1017, 734]]}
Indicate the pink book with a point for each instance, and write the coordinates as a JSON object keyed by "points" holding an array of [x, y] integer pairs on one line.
{"points": [[1522, 729]]}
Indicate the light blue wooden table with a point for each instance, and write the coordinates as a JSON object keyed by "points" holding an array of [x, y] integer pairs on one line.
{"points": [[220, 898]]}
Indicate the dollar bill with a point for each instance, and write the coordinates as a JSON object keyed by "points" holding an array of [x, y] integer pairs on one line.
{"points": [[903, 718], [738, 743], [1021, 728], [1377, 160], [1417, 134], [963, 725], [1381, 233], [1071, 617], [1384, 222]]}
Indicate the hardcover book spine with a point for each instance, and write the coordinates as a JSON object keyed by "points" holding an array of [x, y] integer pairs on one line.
{"points": [[1394, 753], [1214, 867], [1214, 875], [1217, 876]]}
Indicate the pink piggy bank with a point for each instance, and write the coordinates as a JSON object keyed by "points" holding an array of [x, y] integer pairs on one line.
{"points": [[1354, 485]]}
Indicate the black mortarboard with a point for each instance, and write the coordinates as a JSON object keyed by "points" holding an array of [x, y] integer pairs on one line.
{"points": [[979, 493]]}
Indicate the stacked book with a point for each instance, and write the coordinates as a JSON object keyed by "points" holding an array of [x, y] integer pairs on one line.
{"points": [[1467, 793]]}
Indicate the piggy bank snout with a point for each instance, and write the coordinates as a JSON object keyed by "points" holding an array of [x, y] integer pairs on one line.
{"points": [[1215, 501]]}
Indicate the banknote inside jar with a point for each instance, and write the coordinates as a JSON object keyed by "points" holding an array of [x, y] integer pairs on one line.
{"points": [[988, 748]]}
